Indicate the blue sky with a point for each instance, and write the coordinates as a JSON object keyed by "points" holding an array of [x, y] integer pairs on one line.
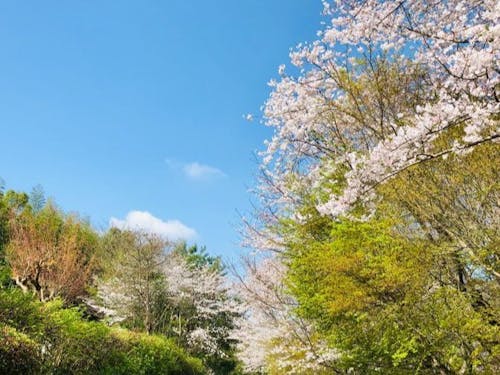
{"points": [[123, 106]]}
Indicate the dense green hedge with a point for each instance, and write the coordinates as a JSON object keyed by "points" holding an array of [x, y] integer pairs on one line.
{"points": [[38, 338]]}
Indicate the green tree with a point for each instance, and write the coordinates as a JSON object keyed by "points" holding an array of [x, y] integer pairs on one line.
{"points": [[413, 289], [198, 256]]}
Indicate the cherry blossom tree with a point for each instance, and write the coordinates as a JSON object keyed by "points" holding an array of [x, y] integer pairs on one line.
{"points": [[383, 82], [200, 306], [270, 334], [168, 289], [388, 89]]}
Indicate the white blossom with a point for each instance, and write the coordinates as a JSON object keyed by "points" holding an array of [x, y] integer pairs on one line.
{"points": [[454, 45], [270, 327]]}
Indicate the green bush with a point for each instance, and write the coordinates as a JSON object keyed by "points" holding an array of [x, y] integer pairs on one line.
{"points": [[37, 338], [73, 345], [151, 354], [19, 354], [21, 311]]}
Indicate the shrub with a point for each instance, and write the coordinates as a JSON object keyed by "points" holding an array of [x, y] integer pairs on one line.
{"points": [[151, 354], [46, 338], [19, 354]]}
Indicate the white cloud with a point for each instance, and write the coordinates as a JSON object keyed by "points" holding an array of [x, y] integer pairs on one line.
{"points": [[196, 171], [143, 220]]}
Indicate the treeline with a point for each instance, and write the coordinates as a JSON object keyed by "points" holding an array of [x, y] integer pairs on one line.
{"points": [[74, 301]]}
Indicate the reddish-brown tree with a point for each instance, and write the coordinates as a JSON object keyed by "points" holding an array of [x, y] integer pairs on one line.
{"points": [[51, 254]]}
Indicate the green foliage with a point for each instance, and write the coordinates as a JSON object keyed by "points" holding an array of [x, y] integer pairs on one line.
{"points": [[16, 200], [413, 289], [72, 344], [50, 254], [21, 312], [40, 338], [198, 256], [375, 295], [361, 265], [19, 354], [4, 217], [151, 354]]}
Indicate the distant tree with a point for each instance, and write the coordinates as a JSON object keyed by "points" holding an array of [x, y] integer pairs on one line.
{"points": [[132, 283], [151, 284], [201, 310], [16, 201], [37, 198], [50, 253], [197, 256]]}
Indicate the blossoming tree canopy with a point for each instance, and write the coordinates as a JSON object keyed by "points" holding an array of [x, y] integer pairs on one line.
{"points": [[384, 81]]}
